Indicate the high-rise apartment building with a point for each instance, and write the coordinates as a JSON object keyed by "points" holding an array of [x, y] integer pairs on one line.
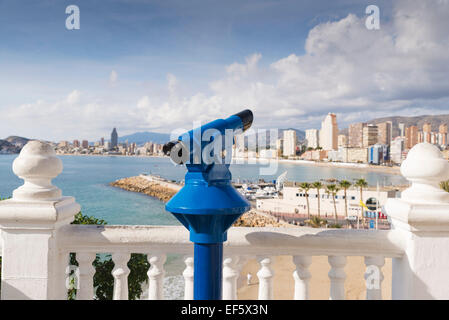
{"points": [[427, 133], [76, 144], [85, 144], [328, 138], [370, 135], [342, 140], [442, 135], [397, 149], [289, 143], [411, 137], [312, 137], [355, 135], [402, 129], [385, 132], [114, 138]]}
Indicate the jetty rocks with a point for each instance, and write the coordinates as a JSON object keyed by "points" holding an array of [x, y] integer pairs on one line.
{"points": [[165, 193], [142, 185]]}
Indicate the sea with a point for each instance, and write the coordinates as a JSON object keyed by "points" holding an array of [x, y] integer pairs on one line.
{"points": [[87, 179]]}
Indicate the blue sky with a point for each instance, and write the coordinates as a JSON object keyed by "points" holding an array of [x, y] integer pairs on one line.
{"points": [[134, 61]]}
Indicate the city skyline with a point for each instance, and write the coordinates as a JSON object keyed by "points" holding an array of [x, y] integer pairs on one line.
{"points": [[148, 66]]}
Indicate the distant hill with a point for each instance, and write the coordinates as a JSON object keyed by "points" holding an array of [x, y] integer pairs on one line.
{"points": [[17, 141], [143, 137], [12, 144], [419, 121]]}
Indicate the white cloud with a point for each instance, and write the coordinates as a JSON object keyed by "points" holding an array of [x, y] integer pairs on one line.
{"points": [[113, 77], [346, 68]]}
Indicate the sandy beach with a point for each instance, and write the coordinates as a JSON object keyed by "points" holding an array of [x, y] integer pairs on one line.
{"points": [[319, 283]]}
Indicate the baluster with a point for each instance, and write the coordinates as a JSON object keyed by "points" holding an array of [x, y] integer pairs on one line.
{"points": [[337, 277], [374, 277], [120, 274], [302, 277], [188, 278], [230, 275], [156, 277], [86, 273], [265, 275]]}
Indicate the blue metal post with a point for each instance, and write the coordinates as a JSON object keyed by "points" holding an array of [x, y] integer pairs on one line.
{"points": [[208, 271]]}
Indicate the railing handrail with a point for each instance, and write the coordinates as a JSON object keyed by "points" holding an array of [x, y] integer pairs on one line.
{"points": [[241, 240]]}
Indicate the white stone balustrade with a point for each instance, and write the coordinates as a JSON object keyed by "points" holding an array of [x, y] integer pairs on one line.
{"points": [[37, 239]]}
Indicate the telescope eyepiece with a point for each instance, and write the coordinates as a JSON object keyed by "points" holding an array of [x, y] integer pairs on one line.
{"points": [[166, 149], [247, 118]]}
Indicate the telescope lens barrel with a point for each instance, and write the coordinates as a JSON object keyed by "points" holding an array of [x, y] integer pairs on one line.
{"points": [[247, 118]]}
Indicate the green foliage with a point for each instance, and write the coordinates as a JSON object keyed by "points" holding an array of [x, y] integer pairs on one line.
{"points": [[103, 279], [445, 185], [316, 222]]}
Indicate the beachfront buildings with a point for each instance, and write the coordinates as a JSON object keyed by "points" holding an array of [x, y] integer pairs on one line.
{"points": [[385, 132], [312, 138], [294, 201], [328, 138], [411, 137], [355, 135], [289, 143], [369, 135]]}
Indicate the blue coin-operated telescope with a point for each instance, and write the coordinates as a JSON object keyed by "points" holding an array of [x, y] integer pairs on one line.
{"points": [[208, 204]]}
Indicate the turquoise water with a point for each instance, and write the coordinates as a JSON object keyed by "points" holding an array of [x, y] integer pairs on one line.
{"points": [[87, 177]]}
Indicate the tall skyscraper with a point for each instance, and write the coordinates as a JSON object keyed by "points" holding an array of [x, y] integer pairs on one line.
{"points": [[427, 131], [402, 129], [355, 137], [442, 135], [370, 135], [385, 132], [85, 144], [114, 138], [411, 137], [102, 141], [342, 140], [289, 143], [328, 138], [312, 137], [76, 144]]}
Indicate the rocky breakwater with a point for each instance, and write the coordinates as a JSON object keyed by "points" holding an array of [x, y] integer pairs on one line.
{"points": [[163, 193], [142, 185]]}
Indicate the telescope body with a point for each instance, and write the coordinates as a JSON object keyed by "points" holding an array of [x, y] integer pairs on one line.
{"points": [[208, 204]]}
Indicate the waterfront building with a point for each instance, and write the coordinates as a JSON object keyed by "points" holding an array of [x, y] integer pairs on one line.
{"points": [[63, 144], [378, 154], [427, 132], [411, 137], [289, 143], [107, 145], [315, 155], [85, 144], [114, 139], [442, 135], [295, 201], [370, 135], [355, 155], [397, 150], [312, 138], [355, 136], [328, 138], [76, 144], [385, 132], [102, 141], [342, 140], [401, 129]]}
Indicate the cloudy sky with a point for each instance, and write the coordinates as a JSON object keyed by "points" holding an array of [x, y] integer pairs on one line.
{"points": [[158, 65]]}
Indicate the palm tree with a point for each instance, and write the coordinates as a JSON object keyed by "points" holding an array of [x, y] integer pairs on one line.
{"points": [[332, 189], [318, 185], [361, 183], [345, 185], [305, 186]]}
